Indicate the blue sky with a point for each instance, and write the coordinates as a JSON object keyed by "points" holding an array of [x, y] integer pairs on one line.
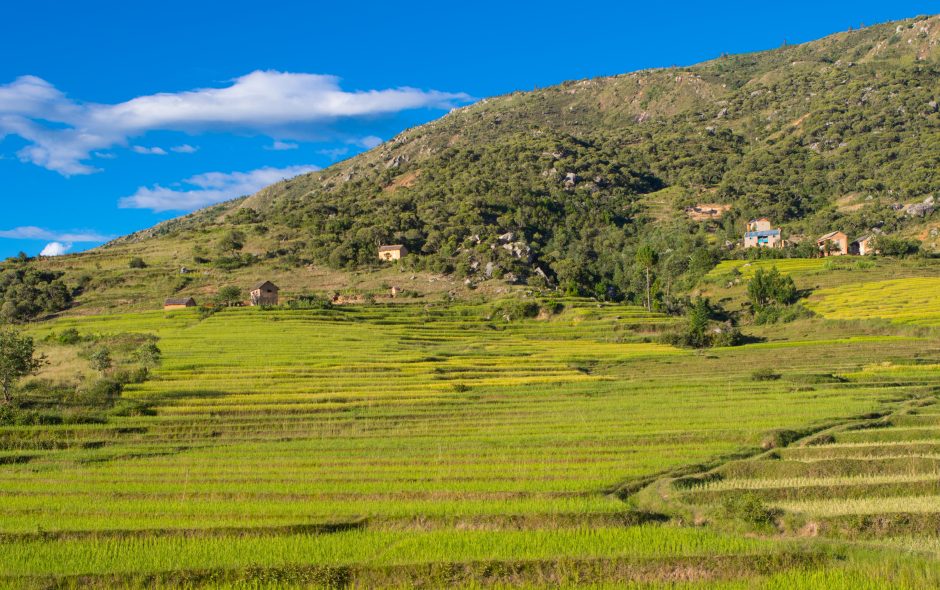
{"points": [[114, 117]]}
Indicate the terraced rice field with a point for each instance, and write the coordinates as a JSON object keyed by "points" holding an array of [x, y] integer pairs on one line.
{"points": [[430, 445], [908, 301], [788, 266]]}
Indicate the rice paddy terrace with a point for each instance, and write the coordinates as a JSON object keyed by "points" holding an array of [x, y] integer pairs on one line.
{"points": [[435, 445]]}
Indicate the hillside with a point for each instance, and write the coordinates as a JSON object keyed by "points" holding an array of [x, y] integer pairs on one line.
{"points": [[558, 186]]}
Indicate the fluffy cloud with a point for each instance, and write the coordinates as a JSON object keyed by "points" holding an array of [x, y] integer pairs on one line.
{"points": [[280, 146], [208, 189], [184, 149], [153, 151], [31, 232], [55, 249], [62, 133]]}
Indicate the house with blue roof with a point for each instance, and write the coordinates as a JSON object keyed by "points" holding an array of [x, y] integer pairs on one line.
{"points": [[761, 234]]}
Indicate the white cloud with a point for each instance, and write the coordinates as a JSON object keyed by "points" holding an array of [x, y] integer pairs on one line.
{"points": [[31, 232], [369, 141], [62, 133], [184, 149], [153, 151], [55, 249], [209, 188], [334, 153], [280, 146]]}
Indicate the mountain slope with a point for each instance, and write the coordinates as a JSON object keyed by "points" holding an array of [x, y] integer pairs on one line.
{"points": [[559, 185]]}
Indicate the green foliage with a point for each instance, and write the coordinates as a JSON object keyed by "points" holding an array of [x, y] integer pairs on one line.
{"points": [[148, 355], [895, 246], [229, 295], [701, 330], [69, 336], [26, 292], [750, 508], [770, 287], [765, 374], [18, 359], [137, 262], [232, 242], [514, 309], [309, 301], [101, 360]]}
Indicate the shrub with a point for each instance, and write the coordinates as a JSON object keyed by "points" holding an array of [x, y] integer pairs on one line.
{"points": [[513, 309], [309, 301], [765, 375], [137, 262], [749, 508], [101, 360], [769, 287], [69, 336]]}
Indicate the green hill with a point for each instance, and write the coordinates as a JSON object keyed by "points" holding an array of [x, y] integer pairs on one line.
{"points": [[558, 186]]}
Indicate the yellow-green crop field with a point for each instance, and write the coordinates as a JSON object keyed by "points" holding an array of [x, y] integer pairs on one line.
{"points": [[909, 300], [434, 446]]}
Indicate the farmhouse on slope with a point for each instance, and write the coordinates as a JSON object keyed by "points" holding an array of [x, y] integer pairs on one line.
{"points": [[264, 293], [392, 252], [760, 234]]}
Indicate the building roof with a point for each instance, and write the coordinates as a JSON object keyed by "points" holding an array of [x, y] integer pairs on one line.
{"points": [[391, 247], [179, 301], [830, 235], [759, 219], [264, 284], [763, 233], [864, 238]]}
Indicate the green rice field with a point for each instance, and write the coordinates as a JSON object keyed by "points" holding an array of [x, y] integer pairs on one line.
{"points": [[436, 445]]}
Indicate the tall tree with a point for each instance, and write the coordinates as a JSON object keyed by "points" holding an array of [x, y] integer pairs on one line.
{"points": [[647, 258], [17, 360]]}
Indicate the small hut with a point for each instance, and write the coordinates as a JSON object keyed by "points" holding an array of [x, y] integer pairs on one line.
{"points": [[179, 302], [835, 243], [392, 252], [264, 293], [863, 246]]}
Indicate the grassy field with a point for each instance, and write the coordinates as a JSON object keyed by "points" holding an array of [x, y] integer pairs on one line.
{"points": [[440, 445]]}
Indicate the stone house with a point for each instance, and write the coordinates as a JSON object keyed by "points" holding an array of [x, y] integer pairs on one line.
{"points": [[835, 243], [392, 252], [264, 293]]}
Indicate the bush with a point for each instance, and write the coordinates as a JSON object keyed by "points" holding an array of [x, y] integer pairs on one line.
{"points": [[101, 360], [511, 310], [765, 375], [783, 314], [102, 392], [769, 287], [749, 508], [137, 262], [69, 336], [309, 301], [892, 246]]}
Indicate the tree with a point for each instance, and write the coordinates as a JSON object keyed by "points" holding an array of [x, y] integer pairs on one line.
{"points": [[148, 355], [699, 315], [229, 296], [101, 360], [646, 257], [233, 241], [769, 287], [17, 360]]}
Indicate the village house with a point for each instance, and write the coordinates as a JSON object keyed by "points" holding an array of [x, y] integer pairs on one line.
{"points": [[264, 293], [760, 234], [179, 302], [392, 252], [863, 246], [835, 243]]}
